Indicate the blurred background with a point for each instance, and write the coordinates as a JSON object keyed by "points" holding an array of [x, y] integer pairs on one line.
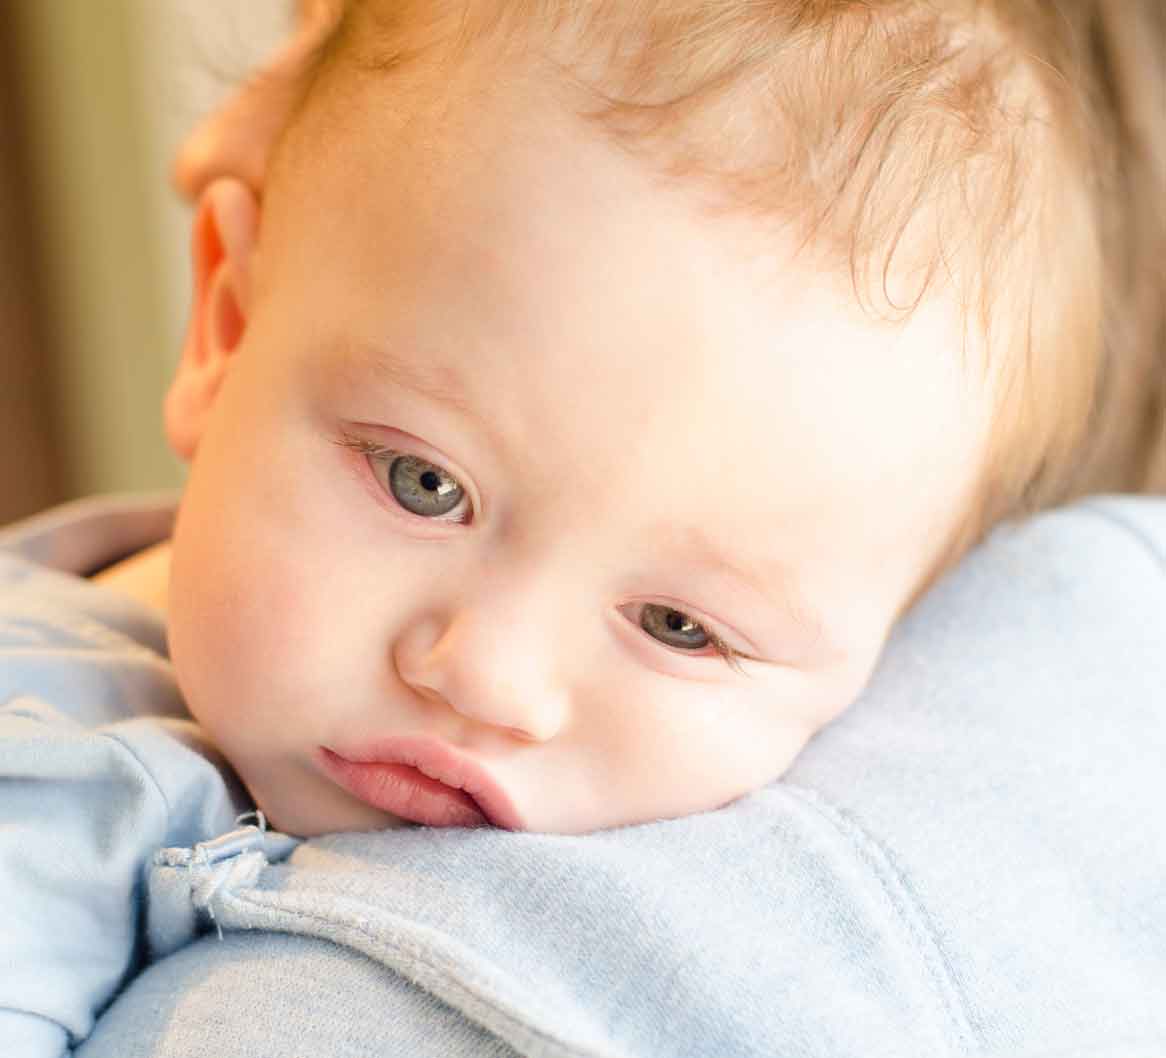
{"points": [[95, 96]]}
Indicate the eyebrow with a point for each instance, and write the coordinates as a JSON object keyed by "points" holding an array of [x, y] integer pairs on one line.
{"points": [[438, 385], [695, 545]]}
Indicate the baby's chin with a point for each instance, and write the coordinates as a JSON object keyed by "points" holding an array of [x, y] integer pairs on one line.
{"points": [[321, 812]]}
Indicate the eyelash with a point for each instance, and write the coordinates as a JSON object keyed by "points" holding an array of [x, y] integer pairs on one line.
{"points": [[731, 657], [370, 449]]}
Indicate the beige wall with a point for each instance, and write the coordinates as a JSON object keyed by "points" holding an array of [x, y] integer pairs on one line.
{"points": [[110, 85]]}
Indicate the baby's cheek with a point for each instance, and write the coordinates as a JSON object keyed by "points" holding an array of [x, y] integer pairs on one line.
{"points": [[233, 630], [686, 746], [750, 734]]}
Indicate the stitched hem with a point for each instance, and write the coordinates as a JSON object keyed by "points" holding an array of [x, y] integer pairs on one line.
{"points": [[909, 911], [1105, 511], [415, 963]]}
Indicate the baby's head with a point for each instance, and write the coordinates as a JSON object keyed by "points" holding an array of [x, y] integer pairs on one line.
{"points": [[596, 385]]}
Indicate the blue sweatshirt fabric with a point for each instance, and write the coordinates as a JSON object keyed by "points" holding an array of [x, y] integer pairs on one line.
{"points": [[100, 764], [971, 861]]}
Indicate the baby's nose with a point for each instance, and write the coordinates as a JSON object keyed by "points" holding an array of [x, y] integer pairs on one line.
{"points": [[493, 672]]}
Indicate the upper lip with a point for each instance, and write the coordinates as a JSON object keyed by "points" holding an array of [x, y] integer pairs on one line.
{"points": [[439, 760]]}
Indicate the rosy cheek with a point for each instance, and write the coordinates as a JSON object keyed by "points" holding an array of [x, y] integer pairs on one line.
{"points": [[220, 620]]}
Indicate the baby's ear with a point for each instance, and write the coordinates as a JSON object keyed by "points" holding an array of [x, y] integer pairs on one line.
{"points": [[226, 224]]}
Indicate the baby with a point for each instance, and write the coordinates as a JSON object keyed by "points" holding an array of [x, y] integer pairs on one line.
{"points": [[570, 419], [595, 385]]}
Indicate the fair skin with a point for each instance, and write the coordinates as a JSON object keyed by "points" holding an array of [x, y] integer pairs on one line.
{"points": [[618, 388]]}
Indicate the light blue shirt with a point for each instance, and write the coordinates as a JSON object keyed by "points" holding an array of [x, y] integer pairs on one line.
{"points": [[100, 766], [971, 861]]}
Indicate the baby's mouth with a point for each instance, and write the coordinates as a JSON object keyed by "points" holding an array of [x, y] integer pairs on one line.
{"points": [[404, 791], [423, 780]]}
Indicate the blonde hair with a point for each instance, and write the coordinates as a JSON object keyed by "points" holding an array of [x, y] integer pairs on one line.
{"points": [[995, 147]]}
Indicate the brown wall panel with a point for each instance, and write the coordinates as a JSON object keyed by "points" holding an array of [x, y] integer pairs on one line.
{"points": [[29, 472]]}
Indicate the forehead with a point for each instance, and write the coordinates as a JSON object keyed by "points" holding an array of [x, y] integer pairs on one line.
{"points": [[624, 349]]}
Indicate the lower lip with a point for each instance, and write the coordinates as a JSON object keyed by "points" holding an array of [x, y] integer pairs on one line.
{"points": [[403, 791]]}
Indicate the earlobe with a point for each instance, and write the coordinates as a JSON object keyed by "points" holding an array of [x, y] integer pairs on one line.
{"points": [[223, 239]]}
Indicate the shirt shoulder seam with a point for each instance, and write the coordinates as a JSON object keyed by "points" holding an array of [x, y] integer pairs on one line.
{"points": [[1130, 527], [907, 908], [126, 748]]}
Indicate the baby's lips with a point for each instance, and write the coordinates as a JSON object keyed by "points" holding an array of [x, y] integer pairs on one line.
{"points": [[434, 759]]}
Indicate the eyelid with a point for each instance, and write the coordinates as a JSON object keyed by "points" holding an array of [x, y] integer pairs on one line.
{"points": [[717, 642], [418, 449]]}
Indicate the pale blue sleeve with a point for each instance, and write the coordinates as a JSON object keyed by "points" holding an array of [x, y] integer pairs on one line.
{"points": [[98, 768]]}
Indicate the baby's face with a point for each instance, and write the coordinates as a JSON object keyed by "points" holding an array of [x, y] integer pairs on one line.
{"points": [[513, 439]]}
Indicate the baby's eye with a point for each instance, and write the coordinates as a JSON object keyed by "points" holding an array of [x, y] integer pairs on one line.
{"points": [[672, 627], [675, 628], [421, 487]]}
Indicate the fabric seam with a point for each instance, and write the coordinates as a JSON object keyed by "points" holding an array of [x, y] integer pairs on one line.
{"points": [[473, 989], [1105, 512], [907, 908], [129, 751]]}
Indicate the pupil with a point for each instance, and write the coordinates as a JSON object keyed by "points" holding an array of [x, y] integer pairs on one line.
{"points": [[430, 481], [675, 621]]}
